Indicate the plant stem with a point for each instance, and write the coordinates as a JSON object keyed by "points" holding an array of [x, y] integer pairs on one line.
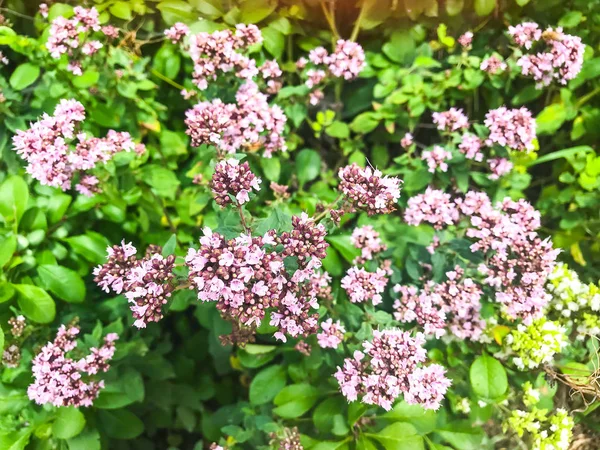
{"points": [[242, 218], [356, 28], [166, 79], [583, 100], [330, 20]]}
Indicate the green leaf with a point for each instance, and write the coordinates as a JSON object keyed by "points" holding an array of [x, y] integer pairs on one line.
{"points": [[24, 75], [399, 436], [162, 180], [8, 246], [170, 246], [253, 11], [1, 340], [484, 7], [564, 153], [121, 10], [424, 420], [571, 19], [87, 79], [273, 41], [324, 413], [295, 400], [35, 303], [88, 440], [176, 10], [343, 244], [488, 377], [454, 7], [522, 2], [69, 423], [364, 123], [308, 165], [120, 424], [57, 206], [92, 246], [271, 168], [211, 9], [6, 291], [266, 384], [462, 435], [551, 118], [14, 195], [338, 130], [65, 283]]}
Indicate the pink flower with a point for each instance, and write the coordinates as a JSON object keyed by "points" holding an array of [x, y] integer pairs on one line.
{"points": [[368, 190], [362, 286], [332, 334], [367, 240], [434, 207], [499, 167], [493, 65], [62, 381], [233, 178], [470, 146], [347, 61], [451, 120], [407, 140], [428, 385], [512, 128], [525, 34], [466, 39], [177, 32], [436, 158]]}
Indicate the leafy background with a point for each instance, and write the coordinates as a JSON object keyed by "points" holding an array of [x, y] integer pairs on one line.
{"points": [[173, 385]]}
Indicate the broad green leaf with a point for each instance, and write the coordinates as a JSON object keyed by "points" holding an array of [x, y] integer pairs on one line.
{"points": [[488, 377], [399, 436], [170, 246], [120, 424], [65, 283], [69, 423], [454, 7], [88, 440], [266, 384], [24, 75], [57, 206], [343, 244], [308, 165], [484, 7], [14, 195], [463, 435], [551, 118], [424, 420], [87, 79], [364, 123], [338, 130], [571, 19], [162, 180], [271, 168], [564, 153], [35, 303], [324, 413], [8, 246], [253, 11], [121, 10], [176, 10], [295, 400], [273, 41], [92, 246]]}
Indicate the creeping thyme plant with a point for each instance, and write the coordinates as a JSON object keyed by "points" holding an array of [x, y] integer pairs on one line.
{"points": [[253, 224]]}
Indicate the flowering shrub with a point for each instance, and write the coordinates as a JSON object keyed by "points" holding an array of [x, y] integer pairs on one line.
{"points": [[298, 226]]}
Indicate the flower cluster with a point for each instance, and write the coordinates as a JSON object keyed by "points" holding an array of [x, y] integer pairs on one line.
{"points": [[434, 207], [235, 179], [390, 365], [454, 304], [217, 52], [62, 381], [470, 146], [366, 189], [332, 334], [518, 262], [545, 431], [362, 286], [249, 124], [536, 344], [574, 305], [68, 35], [499, 167], [561, 58], [451, 120], [146, 281], [368, 241], [246, 276], [493, 65], [466, 39], [346, 61], [288, 439], [436, 158], [177, 32], [50, 159], [512, 128], [17, 325]]}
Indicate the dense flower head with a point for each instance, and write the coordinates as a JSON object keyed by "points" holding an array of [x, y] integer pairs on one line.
{"points": [[177, 32], [525, 34], [332, 334], [17, 325], [288, 439], [493, 65], [512, 128], [561, 60], [246, 276], [545, 430], [452, 120], [368, 241], [347, 60], [387, 367], [436, 158], [219, 51], [499, 167], [51, 160], [146, 282], [366, 189], [11, 356], [535, 344], [466, 39], [407, 140], [249, 124], [233, 179], [306, 240], [470, 146], [574, 304], [434, 206], [363, 286], [62, 381], [453, 305]]}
